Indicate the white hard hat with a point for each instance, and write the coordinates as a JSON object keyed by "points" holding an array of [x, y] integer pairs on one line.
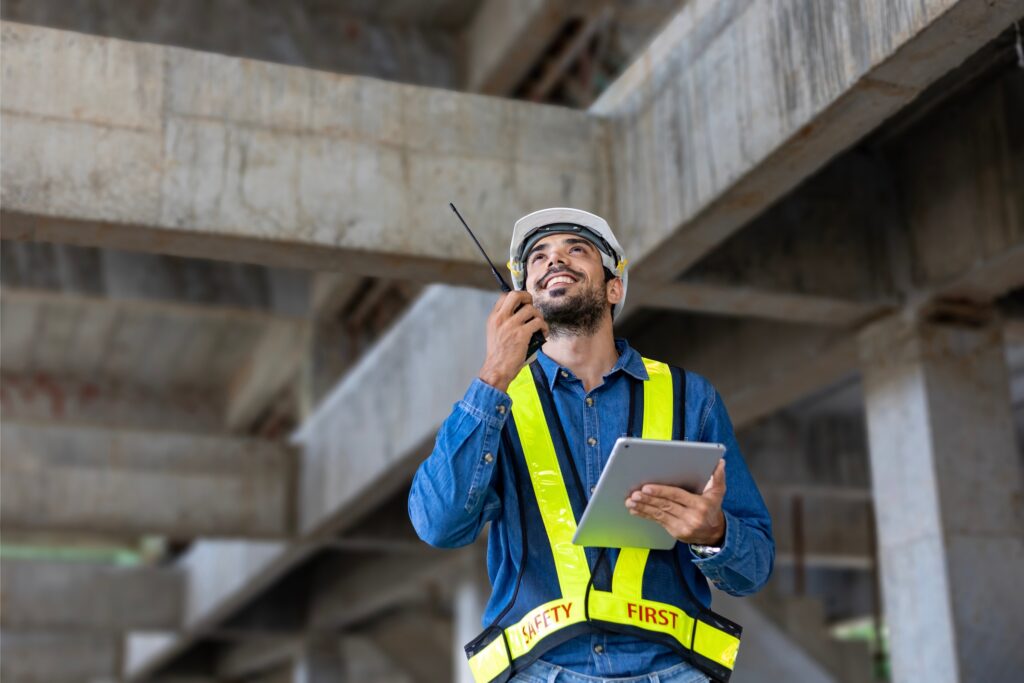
{"points": [[532, 227]]}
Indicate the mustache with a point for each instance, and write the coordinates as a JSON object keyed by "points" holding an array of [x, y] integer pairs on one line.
{"points": [[559, 271]]}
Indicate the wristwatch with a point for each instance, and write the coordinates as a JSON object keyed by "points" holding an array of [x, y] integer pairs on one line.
{"points": [[705, 551]]}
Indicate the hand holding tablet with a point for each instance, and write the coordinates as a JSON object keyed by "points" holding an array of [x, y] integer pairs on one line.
{"points": [[662, 468]]}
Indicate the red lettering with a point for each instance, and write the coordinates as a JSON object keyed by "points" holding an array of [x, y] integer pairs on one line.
{"points": [[544, 614], [567, 606], [630, 608], [673, 615], [663, 617], [649, 614]]}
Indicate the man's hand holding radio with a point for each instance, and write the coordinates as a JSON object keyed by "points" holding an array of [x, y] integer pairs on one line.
{"points": [[508, 336]]}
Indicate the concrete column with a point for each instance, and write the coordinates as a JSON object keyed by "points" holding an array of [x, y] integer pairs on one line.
{"points": [[470, 594], [947, 481], [319, 660]]}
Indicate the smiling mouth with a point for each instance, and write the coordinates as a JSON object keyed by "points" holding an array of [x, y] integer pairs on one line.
{"points": [[559, 280]]}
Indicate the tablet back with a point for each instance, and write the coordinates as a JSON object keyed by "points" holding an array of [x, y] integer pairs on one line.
{"points": [[606, 522]]}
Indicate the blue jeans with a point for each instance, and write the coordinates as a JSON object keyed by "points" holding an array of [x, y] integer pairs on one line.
{"points": [[542, 672]]}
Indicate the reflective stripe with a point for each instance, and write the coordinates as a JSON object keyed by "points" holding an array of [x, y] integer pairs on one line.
{"points": [[646, 614], [715, 644], [628, 576], [543, 621], [658, 395], [488, 663], [548, 484]]}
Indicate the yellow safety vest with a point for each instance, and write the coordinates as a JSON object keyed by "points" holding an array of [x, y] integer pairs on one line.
{"points": [[709, 641]]}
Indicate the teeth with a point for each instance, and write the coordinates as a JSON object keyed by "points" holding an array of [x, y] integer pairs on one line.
{"points": [[560, 280]]}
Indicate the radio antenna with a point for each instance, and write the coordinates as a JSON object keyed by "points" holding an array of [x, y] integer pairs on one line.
{"points": [[497, 276]]}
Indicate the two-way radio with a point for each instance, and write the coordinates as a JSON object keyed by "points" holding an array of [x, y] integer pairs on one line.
{"points": [[537, 340]]}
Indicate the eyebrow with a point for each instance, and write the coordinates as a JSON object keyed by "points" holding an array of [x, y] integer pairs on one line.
{"points": [[567, 240]]}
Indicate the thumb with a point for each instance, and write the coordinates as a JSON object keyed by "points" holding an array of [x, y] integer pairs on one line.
{"points": [[716, 484]]}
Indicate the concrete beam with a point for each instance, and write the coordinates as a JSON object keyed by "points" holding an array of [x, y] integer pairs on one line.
{"points": [[330, 293], [800, 81], [271, 368], [961, 176], [748, 302], [43, 397], [504, 40], [414, 361], [149, 343], [788, 361], [89, 479], [254, 656], [350, 592], [80, 595], [58, 657], [149, 148]]}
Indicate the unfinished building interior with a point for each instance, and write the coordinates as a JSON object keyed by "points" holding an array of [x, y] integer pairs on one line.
{"points": [[236, 309]]}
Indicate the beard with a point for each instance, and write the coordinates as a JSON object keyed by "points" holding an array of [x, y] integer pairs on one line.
{"points": [[576, 314]]}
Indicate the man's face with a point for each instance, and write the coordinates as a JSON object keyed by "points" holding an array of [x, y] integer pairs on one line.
{"points": [[565, 275]]}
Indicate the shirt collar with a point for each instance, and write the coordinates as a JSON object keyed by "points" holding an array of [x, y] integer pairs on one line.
{"points": [[629, 362]]}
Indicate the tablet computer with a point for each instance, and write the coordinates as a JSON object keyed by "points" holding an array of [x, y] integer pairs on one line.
{"points": [[606, 522]]}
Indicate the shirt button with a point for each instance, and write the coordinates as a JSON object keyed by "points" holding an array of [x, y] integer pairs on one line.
{"points": [[590, 401], [488, 458], [598, 649], [592, 488], [500, 408], [592, 441], [564, 373]]}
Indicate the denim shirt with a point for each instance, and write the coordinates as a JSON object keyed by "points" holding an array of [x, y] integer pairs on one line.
{"points": [[453, 496]]}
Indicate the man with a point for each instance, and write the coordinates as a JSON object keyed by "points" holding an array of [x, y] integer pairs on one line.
{"points": [[524, 449]]}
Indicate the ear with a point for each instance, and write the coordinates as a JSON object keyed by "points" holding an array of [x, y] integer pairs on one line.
{"points": [[614, 290]]}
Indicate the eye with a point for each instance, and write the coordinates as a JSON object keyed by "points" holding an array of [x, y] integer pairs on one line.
{"points": [[576, 248], [536, 256]]}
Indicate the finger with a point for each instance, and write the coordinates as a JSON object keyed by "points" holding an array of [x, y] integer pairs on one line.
{"points": [[677, 528], [514, 300], [716, 484], [537, 324], [526, 313], [673, 493], [658, 510]]}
